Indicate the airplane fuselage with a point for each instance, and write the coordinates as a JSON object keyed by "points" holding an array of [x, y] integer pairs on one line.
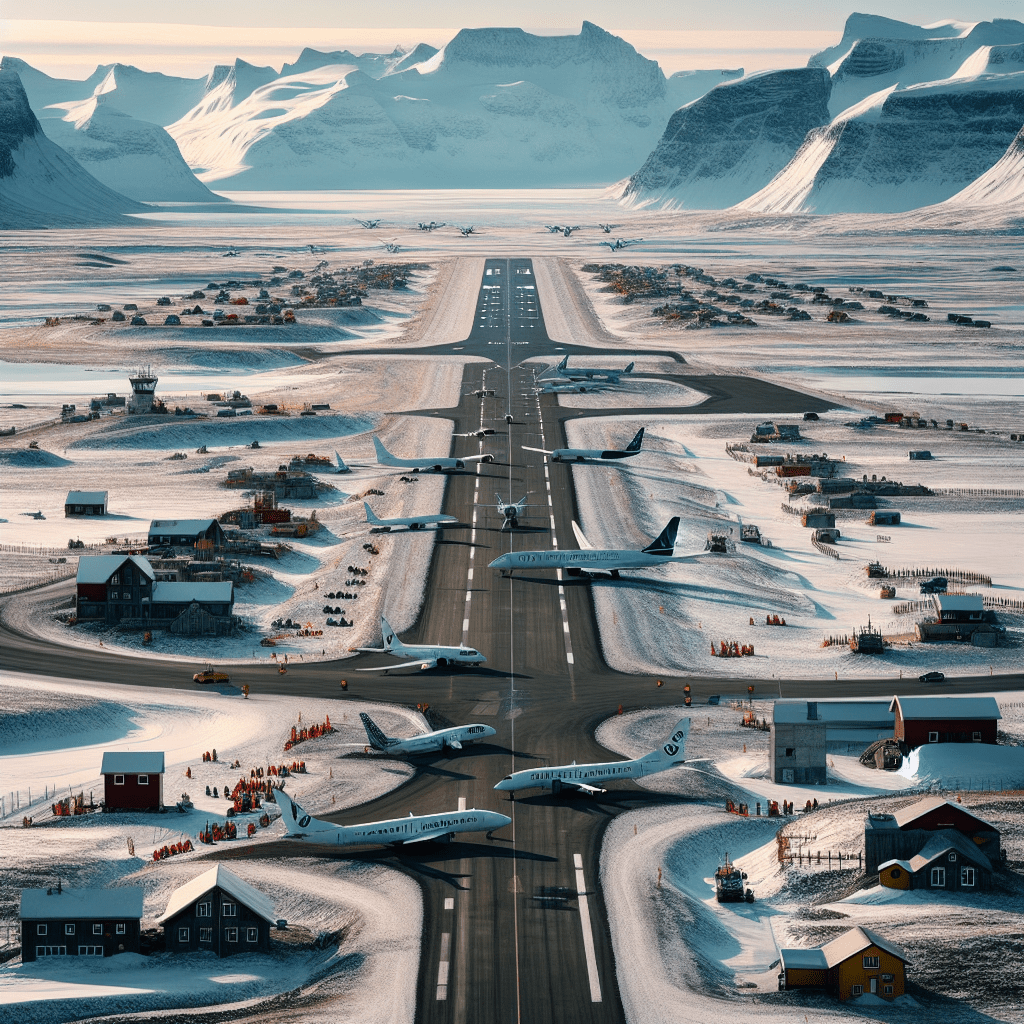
{"points": [[432, 741], [577, 562], [570, 775], [442, 655], [399, 831], [589, 455]]}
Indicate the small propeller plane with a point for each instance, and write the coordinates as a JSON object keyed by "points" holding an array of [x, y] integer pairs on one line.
{"points": [[621, 243], [441, 465], [412, 522], [370, 225], [423, 656], [593, 454], [511, 512], [430, 227], [391, 245], [607, 228], [466, 231], [425, 743], [417, 828], [584, 778]]}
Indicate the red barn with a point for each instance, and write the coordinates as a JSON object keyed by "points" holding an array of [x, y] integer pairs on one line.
{"points": [[133, 780], [921, 720]]}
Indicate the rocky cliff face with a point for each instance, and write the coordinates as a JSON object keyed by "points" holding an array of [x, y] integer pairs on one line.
{"points": [[721, 148]]}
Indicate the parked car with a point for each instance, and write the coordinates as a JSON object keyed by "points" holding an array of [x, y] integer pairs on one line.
{"points": [[715, 699], [810, 415], [210, 675], [931, 677]]}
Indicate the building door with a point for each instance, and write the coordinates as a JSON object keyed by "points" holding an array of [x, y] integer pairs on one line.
{"points": [[874, 985]]}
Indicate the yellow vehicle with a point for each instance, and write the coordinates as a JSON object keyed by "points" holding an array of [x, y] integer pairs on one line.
{"points": [[211, 675]]}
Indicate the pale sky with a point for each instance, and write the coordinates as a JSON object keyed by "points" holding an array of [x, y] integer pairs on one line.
{"points": [[68, 38]]}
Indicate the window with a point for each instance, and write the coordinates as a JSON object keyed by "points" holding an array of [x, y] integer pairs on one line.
{"points": [[887, 990], [976, 737], [206, 935], [967, 877], [40, 929], [203, 909], [90, 951], [69, 929], [229, 909], [183, 935], [119, 929], [51, 951], [97, 929], [790, 751], [939, 877], [116, 578], [870, 961], [952, 857], [118, 780], [251, 935], [143, 780], [231, 934], [857, 990], [886, 977], [895, 873], [933, 737]]}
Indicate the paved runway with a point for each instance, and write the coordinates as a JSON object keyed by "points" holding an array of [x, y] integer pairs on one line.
{"points": [[497, 947]]}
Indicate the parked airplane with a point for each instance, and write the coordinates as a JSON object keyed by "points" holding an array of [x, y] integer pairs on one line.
{"points": [[607, 228], [575, 388], [385, 458], [413, 522], [593, 454], [430, 227], [582, 777], [424, 655], [588, 373], [369, 224], [591, 561], [467, 231], [417, 828], [391, 246], [510, 512], [426, 742], [621, 243], [482, 432]]}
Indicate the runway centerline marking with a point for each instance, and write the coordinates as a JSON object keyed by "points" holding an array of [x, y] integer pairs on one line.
{"points": [[442, 966], [588, 931]]}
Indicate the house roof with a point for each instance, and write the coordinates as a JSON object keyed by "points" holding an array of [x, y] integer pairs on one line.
{"points": [[174, 592], [86, 498], [852, 942], [122, 901], [99, 568], [840, 712], [959, 602], [908, 815], [227, 880], [180, 527], [132, 762], [924, 708], [803, 959], [941, 845]]}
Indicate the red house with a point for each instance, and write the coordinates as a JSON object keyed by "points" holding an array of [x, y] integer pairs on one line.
{"points": [[921, 720], [133, 780]]}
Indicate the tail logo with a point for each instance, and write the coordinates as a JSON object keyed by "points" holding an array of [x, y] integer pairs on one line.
{"points": [[304, 821], [671, 749]]}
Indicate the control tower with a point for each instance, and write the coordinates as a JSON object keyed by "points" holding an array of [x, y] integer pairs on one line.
{"points": [[144, 387]]}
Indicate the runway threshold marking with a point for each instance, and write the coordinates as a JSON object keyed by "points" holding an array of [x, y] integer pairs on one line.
{"points": [[588, 932]]}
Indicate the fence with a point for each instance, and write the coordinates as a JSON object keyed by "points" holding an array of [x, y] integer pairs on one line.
{"points": [[826, 549], [952, 575], [66, 572], [916, 607]]}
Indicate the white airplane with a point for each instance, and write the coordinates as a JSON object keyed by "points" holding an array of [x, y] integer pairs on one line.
{"points": [[589, 373], [413, 522], [582, 778], [452, 738], [385, 458], [423, 655], [575, 388], [591, 561], [417, 828], [592, 454], [510, 512]]}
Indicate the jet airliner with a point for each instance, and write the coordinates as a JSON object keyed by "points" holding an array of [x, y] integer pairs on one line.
{"points": [[593, 454], [423, 656], [440, 739], [439, 465], [412, 522]]}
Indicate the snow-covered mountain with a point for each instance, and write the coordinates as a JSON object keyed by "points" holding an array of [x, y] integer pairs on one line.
{"points": [[136, 158], [493, 108], [1001, 185], [731, 142], [376, 65], [40, 185]]}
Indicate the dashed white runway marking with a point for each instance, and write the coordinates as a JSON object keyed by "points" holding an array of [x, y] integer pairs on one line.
{"points": [[588, 932], [442, 966]]}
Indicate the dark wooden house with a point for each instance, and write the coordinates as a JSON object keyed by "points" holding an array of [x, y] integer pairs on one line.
{"points": [[921, 720], [859, 962], [185, 533], [133, 780], [85, 503], [948, 861], [113, 587], [79, 922], [219, 912]]}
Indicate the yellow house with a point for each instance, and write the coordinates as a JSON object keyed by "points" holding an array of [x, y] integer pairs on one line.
{"points": [[860, 961]]}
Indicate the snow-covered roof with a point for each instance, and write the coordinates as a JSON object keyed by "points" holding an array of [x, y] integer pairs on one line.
{"points": [[180, 527], [132, 762], [959, 602], [908, 815], [107, 904], [99, 568], [963, 708], [942, 844], [803, 959], [175, 592], [227, 880], [846, 712], [86, 498], [852, 942]]}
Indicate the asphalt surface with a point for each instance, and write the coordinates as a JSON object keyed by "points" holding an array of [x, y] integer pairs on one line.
{"points": [[505, 936]]}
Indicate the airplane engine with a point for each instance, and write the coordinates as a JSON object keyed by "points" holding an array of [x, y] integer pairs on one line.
{"points": [[487, 458], [459, 464], [574, 571], [441, 662], [415, 526]]}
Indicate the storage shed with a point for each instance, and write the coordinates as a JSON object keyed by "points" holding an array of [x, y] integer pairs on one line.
{"points": [[219, 912], [85, 503], [948, 861], [133, 780], [857, 963], [959, 607], [921, 720], [79, 922], [796, 751]]}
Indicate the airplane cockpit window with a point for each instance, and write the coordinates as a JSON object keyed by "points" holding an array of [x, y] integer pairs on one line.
{"points": [[507, 777]]}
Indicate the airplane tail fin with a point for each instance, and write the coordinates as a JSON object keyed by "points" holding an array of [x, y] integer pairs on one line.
{"points": [[391, 642], [629, 368], [563, 364], [373, 732], [581, 537], [296, 820], [384, 457], [370, 517], [674, 747], [665, 544], [634, 445], [342, 468]]}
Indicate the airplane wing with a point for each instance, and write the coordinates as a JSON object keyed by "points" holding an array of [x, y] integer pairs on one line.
{"points": [[581, 539], [420, 663], [456, 745], [584, 788], [476, 458], [543, 451], [422, 839]]}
